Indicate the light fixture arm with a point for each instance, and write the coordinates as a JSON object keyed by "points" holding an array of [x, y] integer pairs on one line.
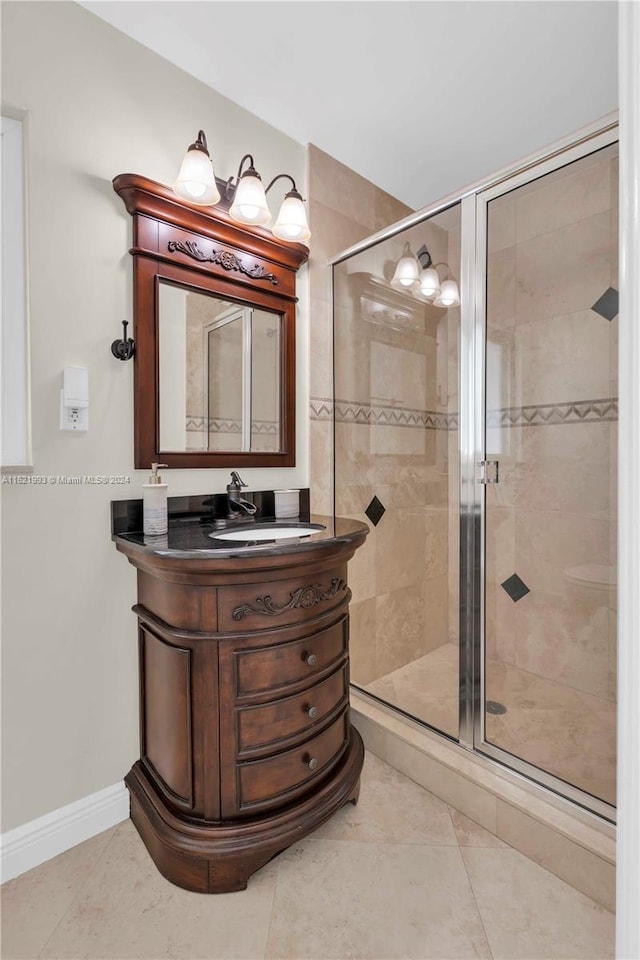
{"points": [[251, 170], [293, 192], [232, 183], [200, 143], [425, 260], [447, 272]]}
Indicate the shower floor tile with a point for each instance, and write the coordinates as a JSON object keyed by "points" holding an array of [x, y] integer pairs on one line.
{"points": [[428, 688], [564, 731]]}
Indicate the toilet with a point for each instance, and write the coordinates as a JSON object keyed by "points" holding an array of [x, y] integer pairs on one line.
{"points": [[598, 578]]}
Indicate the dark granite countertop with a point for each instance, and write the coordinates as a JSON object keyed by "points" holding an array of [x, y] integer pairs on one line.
{"points": [[191, 528]]}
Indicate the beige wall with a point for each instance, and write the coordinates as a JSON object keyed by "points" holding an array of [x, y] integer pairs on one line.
{"points": [[97, 104]]}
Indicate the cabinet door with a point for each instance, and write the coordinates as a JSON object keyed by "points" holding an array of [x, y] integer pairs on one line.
{"points": [[165, 680]]}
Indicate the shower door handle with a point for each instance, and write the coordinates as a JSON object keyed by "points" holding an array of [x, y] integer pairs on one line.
{"points": [[489, 471]]}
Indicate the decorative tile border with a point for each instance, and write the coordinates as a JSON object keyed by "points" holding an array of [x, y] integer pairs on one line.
{"points": [[540, 415], [530, 415], [347, 411], [203, 425], [320, 408]]}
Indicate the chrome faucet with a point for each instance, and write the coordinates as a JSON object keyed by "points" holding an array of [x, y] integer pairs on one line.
{"points": [[236, 504]]}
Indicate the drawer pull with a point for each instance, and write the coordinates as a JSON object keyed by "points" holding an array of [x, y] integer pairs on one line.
{"points": [[311, 762], [310, 659], [312, 712]]}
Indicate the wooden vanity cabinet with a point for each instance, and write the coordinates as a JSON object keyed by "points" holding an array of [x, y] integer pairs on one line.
{"points": [[246, 744]]}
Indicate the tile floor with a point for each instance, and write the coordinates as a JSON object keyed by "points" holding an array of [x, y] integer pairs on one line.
{"points": [[546, 723], [402, 875]]}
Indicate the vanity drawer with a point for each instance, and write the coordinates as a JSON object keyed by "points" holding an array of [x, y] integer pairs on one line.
{"points": [[259, 727], [258, 606], [270, 782], [275, 667]]}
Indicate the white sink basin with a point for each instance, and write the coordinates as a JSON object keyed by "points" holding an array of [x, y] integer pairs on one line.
{"points": [[269, 532]]}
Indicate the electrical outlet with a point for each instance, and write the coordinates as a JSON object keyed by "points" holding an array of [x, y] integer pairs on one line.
{"points": [[73, 418], [74, 399]]}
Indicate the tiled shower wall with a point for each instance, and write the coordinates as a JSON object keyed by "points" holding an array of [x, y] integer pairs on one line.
{"points": [[400, 610], [343, 209], [396, 396], [552, 256], [389, 441]]}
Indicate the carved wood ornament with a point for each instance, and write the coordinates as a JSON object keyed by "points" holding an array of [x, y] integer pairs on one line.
{"points": [[225, 258], [306, 597]]}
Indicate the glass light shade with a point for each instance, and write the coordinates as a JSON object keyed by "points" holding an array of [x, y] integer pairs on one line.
{"points": [[196, 181], [291, 223], [250, 203], [429, 282], [449, 295], [407, 273]]}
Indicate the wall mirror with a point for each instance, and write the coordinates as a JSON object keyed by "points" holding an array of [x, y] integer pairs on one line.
{"points": [[219, 370], [214, 330]]}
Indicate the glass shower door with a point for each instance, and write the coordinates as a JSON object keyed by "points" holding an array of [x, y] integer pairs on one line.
{"points": [[396, 363], [549, 475]]}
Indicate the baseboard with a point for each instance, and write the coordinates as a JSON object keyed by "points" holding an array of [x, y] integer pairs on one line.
{"points": [[39, 840]]}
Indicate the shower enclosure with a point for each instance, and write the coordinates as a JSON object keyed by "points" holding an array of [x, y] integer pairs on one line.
{"points": [[478, 439]]}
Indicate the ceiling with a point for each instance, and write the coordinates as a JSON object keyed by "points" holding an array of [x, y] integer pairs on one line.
{"points": [[419, 96]]}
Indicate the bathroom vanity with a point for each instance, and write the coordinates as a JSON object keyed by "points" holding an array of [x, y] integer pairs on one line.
{"points": [[245, 740], [246, 744]]}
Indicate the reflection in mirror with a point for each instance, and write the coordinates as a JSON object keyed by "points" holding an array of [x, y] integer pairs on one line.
{"points": [[265, 381], [219, 373], [223, 384]]}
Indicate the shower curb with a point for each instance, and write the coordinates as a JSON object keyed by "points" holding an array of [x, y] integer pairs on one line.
{"points": [[573, 844]]}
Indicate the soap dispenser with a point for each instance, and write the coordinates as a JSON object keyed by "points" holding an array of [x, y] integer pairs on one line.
{"points": [[154, 504]]}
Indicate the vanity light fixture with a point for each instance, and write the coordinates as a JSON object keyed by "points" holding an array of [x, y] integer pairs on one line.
{"points": [[419, 274], [449, 295], [196, 181], [250, 198], [407, 272], [244, 196]]}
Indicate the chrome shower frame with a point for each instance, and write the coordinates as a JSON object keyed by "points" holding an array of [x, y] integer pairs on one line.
{"points": [[474, 200], [473, 515]]}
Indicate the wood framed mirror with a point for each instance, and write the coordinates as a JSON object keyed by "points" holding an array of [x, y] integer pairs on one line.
{"points": [[214, 329]]}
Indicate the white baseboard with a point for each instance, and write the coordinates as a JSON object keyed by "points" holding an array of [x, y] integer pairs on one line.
{"points": [[39, 840]]}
